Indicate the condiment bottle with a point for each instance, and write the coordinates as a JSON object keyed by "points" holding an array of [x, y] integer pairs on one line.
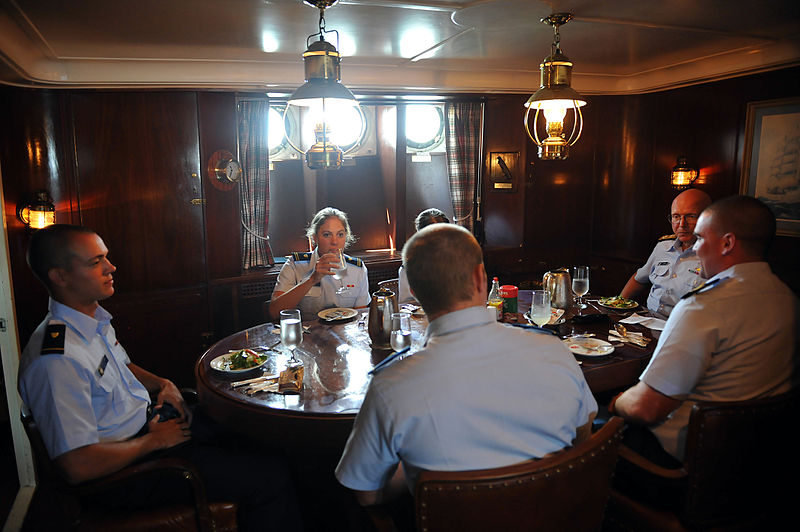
{"points": [[495, 300], [509, 294]]}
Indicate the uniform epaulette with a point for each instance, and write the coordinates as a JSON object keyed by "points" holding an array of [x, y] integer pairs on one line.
{"points": [[354, 260], [667, 237], [301, 256], [55, 335], [704, 287]]}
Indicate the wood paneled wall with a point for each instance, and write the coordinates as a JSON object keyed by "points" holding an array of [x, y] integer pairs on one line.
{"points": [[132, 163]]}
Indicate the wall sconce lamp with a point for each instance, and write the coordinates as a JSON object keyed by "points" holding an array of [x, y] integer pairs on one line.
{"points": [[682, 175], [40, 213], [322, 92], [554, 98]]}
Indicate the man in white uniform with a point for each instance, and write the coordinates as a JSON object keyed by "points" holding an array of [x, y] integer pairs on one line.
{"points": [[732, 339], [672, 268], [479, 394]]}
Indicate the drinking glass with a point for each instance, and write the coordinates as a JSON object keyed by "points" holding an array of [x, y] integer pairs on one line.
{"points": [[291, 332], [580, 284], [401, 330], [540, 307], [339, 271]]}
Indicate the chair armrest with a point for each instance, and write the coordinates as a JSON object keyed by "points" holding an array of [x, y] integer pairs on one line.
{"points": [[173, 466], [628, 454]]}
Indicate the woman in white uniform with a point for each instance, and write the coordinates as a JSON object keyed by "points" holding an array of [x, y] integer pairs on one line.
{"points": [[306, 280]]}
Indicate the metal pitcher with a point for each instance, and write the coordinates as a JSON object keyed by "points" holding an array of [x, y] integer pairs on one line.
{"points": [[381, 307], [559, 284]]}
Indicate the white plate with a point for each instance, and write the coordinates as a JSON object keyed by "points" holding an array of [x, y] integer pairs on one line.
{"points": [[588, 347], [336, 313], [628, 304], [221, 364]]}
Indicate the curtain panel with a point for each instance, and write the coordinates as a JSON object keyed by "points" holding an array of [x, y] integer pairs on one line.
{"points": [[463, 136], [254, 184]]}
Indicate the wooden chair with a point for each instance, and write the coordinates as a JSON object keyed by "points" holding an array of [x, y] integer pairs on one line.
{"points": [[740, 460], [62, 501], [565, 491], [391, 284]]}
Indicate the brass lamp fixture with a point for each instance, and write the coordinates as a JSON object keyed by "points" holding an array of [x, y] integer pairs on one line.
{"points": [[683, 175], [554, 98], [40, 213], [322, 92]]}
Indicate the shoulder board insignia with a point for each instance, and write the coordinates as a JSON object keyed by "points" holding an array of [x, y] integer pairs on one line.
{"points": [[55, 334], [354, 260], [667, 237], [301, 256], [703, 287]]}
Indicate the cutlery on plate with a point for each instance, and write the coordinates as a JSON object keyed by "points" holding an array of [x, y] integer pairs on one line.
{"points": [[253, 380]]}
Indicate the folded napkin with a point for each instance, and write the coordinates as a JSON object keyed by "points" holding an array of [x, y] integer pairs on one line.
{"points": [[635, 338], [651, 323]]}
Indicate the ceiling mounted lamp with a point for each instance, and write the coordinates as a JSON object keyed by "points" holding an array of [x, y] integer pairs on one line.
{"points": [[554, 98], [38, 214], [683, 175], [323, 92]]}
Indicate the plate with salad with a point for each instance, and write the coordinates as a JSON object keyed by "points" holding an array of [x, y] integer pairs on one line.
{"points": [[239, 361], [617, 302]]}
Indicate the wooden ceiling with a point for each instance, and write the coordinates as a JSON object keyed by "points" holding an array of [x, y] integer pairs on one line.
{"points": [[430, 46]]}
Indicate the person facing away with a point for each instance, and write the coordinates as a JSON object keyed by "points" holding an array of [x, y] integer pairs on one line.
{"points": [[733, 338], [478, 394], [673, 267], [423, 219], [306, 281], [92, 404]]}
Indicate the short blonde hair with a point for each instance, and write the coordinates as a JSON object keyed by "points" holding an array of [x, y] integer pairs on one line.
{"points": [[439, 261]]}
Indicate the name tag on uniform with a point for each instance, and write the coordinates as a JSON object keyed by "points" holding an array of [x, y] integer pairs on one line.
{"points": [[101, 369]]}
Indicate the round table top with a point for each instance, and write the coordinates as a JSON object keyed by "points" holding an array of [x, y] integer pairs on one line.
{"points": [[337, 358]]}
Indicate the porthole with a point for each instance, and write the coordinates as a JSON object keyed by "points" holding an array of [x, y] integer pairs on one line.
{"points": [[424, 127]]}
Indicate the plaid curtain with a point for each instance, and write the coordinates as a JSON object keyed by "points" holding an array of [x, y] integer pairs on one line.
{"points": [[254, 184], [463, 135]]}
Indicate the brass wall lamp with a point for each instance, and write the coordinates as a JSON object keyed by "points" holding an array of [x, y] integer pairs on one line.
{"points": [[39, 213], [683, 175]]}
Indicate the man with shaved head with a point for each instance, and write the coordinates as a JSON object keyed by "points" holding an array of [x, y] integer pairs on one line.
{"points": [[734, 338], [673, 268], [478, 394]]}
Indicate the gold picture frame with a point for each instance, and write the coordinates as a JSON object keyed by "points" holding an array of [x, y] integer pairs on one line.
{"points": [[771, 165]]}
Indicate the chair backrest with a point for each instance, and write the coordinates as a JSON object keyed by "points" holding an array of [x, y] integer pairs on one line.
{"points": [[740, 459], [391, 284], [565, 491]]}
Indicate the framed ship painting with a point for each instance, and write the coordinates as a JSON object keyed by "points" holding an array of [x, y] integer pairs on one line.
{"points": [[771, 169]]}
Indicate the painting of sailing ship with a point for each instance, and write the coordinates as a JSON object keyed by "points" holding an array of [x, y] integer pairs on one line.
{"points": [[774, 160]]}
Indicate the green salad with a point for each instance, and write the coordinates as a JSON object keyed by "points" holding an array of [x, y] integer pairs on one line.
{"points": [[617, 302], [244, 359]]}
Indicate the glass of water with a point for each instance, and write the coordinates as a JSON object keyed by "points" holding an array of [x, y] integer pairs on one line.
{"points": [[401, 330], [540, 307], [580, 284], [339, 271], [291, 332]]}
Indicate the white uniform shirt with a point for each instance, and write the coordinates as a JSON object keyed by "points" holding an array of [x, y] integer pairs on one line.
{"points": [[672, 273], [479, 395], [733, 341], [300, 266], [402, 287], [82, 392]]}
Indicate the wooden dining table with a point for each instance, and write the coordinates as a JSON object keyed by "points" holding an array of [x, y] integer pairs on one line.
{"points": [[338, 357]]}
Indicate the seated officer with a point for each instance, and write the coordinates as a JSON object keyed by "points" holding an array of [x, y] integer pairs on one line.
{"points": [[478, 395], [92, 404], [731, 339], [306, 280], [423, 219], [673, 268]]}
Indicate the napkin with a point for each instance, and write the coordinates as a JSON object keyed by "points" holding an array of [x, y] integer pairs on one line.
{"points": [[635, 338], [651, 323]]}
